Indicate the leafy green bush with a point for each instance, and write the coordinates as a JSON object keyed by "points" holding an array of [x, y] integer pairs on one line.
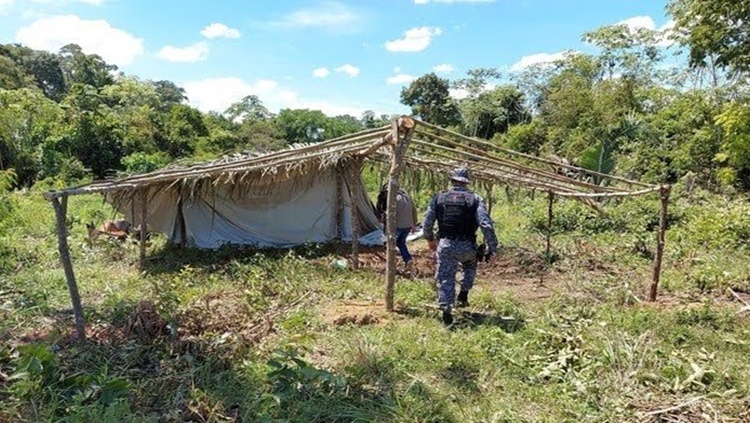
{"points": [[722, 224], [140, 162]]}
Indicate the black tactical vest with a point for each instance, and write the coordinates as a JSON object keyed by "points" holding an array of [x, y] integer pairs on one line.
{"points": [[457, 215]]}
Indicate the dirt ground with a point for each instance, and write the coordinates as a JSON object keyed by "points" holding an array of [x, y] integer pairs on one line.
{"points": [[521, 273]]}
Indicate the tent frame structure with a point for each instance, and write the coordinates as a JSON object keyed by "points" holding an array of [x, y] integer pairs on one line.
{"points": [[406, 144]]}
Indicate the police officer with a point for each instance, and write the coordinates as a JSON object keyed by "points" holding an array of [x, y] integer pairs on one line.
{"points": [[459, 212]]}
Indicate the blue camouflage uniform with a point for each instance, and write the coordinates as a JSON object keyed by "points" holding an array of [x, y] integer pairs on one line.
{"points": [[458, 248]]}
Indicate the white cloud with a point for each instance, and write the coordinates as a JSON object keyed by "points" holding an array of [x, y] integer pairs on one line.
{"points": [[321, 72], [444, 68], [400, 78], [636, 22], [94, 36], [331, 15], [5, 6], [458, 93], [537, 59], [190, 54], [216, 30], [452, 1], [348, 69], [415, 39], [217, 94], [665, 31], [647, 22]]}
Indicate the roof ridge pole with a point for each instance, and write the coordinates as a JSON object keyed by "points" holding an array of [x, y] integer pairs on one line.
{"points": [[404, 125], [660, 236], [61, 209]]}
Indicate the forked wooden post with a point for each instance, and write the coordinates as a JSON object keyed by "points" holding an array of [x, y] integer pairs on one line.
{"points": [[550, 201], [144, 199], [406, 126], [660, 236], [61, 210]]}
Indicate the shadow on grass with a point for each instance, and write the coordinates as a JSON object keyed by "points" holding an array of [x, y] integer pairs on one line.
{"points": [[172, 258], [472, 319], [465, 319], [131, 367]]}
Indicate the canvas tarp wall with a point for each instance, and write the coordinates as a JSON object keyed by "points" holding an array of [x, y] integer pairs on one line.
{"points": [[280, 214]]}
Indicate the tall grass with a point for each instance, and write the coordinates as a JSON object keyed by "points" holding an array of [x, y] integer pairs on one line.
{"points": [[242, 335]]}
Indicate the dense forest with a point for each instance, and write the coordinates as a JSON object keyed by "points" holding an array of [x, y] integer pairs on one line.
{"points": [[657, 106]]}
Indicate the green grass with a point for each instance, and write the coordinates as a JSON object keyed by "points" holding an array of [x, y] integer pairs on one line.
{"points": [[242, 335]]}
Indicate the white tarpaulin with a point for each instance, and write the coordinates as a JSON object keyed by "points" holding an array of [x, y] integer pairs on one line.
{"points": [[288, 213]]}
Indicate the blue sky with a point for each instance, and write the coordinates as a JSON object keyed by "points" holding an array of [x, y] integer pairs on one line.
{"points": [[339, 56]]}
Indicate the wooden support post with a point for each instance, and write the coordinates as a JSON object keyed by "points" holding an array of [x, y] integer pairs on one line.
{"points": [[660, 236], [144, 200], [354, 187], [339, 203], [61, 210], [405, 125], [550, 201], [181, 217], [488, 200]]}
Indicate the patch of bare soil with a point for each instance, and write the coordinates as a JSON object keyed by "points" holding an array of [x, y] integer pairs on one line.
{"points": [[522, 272], [357, 313]]}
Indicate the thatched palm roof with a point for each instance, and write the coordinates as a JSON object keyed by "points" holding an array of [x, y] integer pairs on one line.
{"points": [[431, 148]]}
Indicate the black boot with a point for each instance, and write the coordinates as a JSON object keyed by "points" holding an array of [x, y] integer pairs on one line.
{"points": [[463, 299], [447, 316]]}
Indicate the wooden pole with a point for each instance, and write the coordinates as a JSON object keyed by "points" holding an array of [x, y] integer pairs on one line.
{"points": [[144, 199], [180, 217], [550, 200], [61, 209], [354, 186], [489, 187], [339, 202], [406, 125], [660, 236]]}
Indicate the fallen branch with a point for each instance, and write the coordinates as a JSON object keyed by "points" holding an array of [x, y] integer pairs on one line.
{"points": [[676, 407], [739, 298]]}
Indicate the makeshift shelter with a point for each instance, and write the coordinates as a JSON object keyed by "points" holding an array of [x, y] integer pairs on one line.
{"points": [[314, 193]]}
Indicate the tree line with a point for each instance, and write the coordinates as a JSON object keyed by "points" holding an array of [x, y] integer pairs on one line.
{"points": [[70, 115], [633, 107]]}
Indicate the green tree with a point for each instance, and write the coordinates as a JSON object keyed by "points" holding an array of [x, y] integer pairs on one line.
{"points": [[183, 128], [249, 108], [735, 150], [169, 94], [302, 125], [88, 69], [12, 76], [714, 30], [429, 98], [41, 67], [371, 120], [494, 111], [27, 120]]}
